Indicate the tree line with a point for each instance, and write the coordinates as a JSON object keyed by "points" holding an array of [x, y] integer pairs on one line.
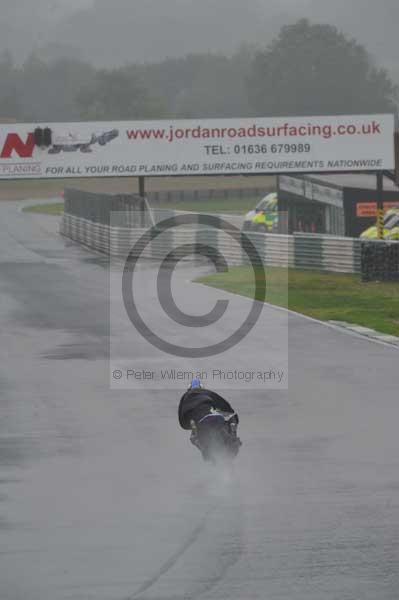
{"points": [[307, 69]]}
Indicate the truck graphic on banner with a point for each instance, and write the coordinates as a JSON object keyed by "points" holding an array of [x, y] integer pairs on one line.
{"points": [[72, 143]]}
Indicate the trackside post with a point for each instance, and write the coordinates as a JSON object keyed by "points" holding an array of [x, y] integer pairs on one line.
{"points": [[380, 205]]}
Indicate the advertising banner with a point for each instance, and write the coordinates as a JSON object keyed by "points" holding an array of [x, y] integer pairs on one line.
{"points": [[200, 147], [369, 209]]}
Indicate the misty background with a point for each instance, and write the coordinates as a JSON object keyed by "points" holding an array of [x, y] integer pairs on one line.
{"points": [[84, 59]]}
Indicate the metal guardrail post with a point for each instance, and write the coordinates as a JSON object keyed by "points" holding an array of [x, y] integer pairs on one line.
{"points": [[380, 205], [142, 203]]}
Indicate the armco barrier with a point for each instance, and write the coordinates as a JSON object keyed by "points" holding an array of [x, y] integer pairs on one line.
{"points": [[304, 251], [380, 260], [114, 225], [327, 253], [98, 208]]}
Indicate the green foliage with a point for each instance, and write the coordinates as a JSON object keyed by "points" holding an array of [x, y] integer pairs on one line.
{"points": [[9, 106], [314, 69], [48, 89], [66, 89], [202, 85], [117, 94], [308, 69]]}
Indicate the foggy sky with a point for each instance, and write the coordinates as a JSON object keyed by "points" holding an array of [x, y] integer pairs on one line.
{"points": [[116, 32]]}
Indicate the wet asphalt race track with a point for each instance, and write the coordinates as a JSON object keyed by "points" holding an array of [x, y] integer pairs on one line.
{"points": [[102, 498]]}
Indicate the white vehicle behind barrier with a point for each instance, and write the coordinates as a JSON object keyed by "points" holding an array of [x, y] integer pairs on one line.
{"points": [[264, 218]]}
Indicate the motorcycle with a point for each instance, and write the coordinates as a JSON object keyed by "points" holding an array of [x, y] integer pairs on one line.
{"points": [[215, 435], [212, 421]]}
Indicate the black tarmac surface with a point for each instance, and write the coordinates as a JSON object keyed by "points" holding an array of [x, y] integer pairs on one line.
{"points": [[102, 497]]}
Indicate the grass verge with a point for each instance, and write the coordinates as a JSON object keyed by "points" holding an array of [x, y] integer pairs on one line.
{"points": [[50, 188], [211, 205], [324, 296], [46, 209], [223, 205]]}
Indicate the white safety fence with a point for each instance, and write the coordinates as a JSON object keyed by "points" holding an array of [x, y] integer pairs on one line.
{"points": [[302, 251]]}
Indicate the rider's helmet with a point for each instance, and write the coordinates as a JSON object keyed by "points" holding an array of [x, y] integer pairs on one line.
{"points": [[195, 384]]}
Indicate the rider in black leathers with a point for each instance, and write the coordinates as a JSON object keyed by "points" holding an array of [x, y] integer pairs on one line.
{"points": [[198, 405]]}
